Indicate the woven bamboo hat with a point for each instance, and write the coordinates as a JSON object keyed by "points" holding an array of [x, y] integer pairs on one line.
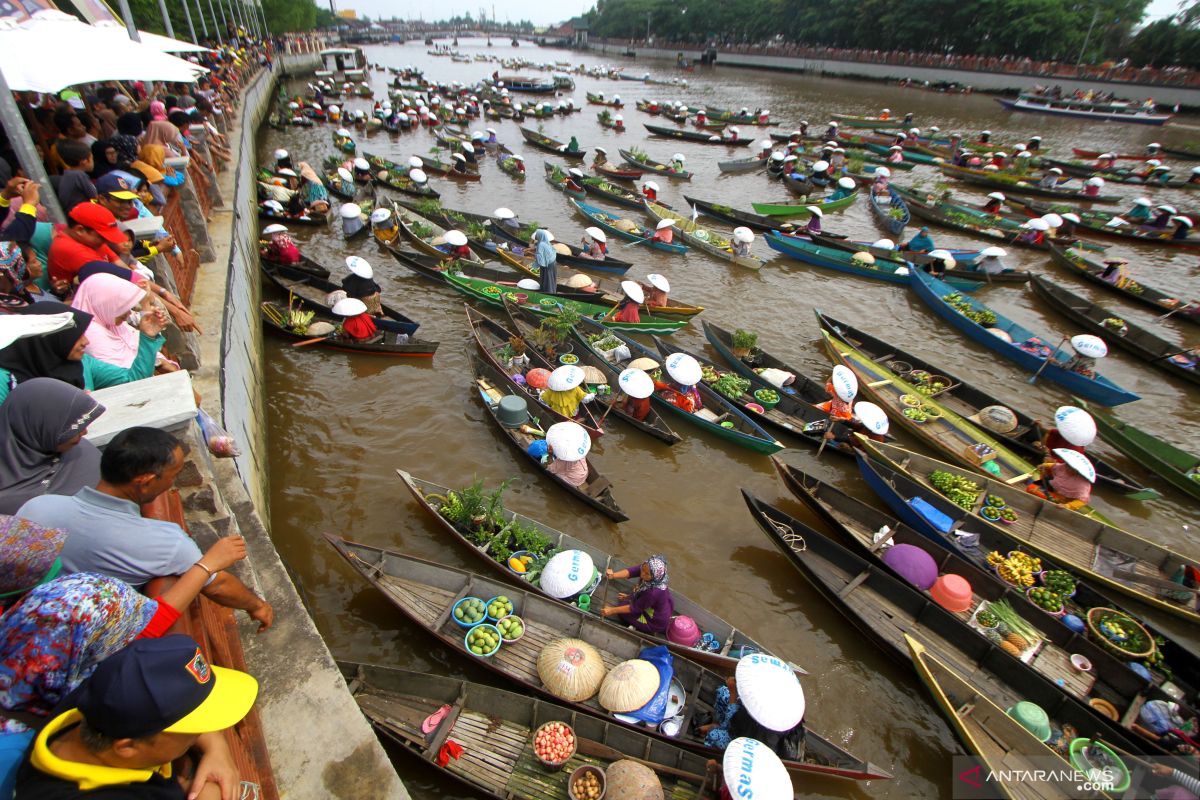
{"points": [[629, 685], [571, 669]]}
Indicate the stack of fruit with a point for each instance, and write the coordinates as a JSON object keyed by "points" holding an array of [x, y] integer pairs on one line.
{"points": [[499, 607], [1061, 581], [483, 640], [1016, 568], [469, 611], [1046, 599], [960, 490], [511, 628], [554, 743]]}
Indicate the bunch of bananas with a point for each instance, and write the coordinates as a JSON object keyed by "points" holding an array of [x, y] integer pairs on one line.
{"points": [[1016, 568]]}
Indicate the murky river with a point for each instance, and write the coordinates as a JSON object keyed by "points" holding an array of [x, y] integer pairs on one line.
{"points": [[340, 425]]}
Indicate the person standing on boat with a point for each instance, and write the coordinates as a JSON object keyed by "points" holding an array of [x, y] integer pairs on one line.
{"points": [[546, 258], [564, 392], [649, 607]]}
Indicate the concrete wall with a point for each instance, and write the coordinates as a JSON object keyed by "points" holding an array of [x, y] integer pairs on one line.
{"points": [[988, 81]]}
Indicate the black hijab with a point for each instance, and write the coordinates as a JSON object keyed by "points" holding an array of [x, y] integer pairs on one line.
{"points": [[46, 356], [100, 165]]}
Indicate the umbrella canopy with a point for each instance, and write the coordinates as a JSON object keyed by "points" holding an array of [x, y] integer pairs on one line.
{"points": [[751, 767], [163, 44], [770, 691], [571, 669], [629, 685]]}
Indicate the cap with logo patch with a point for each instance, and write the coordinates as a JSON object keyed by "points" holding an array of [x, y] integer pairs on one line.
{"points": [[115, 186], [164, 685]]}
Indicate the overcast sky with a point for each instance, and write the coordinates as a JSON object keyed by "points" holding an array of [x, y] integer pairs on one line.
{"points": [[540, 12]]}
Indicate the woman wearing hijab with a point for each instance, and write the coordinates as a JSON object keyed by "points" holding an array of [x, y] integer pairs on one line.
{"points": [[158, 110], [129, 131], [312, 190], [41, 442], [125, 353], [105, 158], [546, 258], [166, 135], [57, 355], [154, 156], [648, 608]]}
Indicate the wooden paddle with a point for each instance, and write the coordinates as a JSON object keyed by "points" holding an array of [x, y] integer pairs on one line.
{"points": [[1188, 304], [589, 747], [648, 238], [307, 342], [1048, 359]]}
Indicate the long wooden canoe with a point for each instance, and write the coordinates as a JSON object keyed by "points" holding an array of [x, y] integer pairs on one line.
{"points": [[935, 292], [1077, 263], [595, 491], [631, 231], [426, 235], [495, 729], [309, 220], [616, 173], [387, 343], [1149, 348], [752, 164], [311, 291], [429, 165], [524, 322], [543, 142], [805, 388], [968, 400], [702, 238], [306, 265], [717, 410], [1095, 223], [1111, 557], [857, 121], [426, 592], [980, 224], [755, 222], [790, 211], [697, 137], [604, 189], [807, 252], [885, 609], [892, 215], [1013, 184], [734, 643], [652, 166], [965, 260], [1176, 466]]}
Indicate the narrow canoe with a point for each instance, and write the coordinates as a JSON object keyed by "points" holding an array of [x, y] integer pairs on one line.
{"points": [[1078, 264], [523, 323], [755, 222], [595, 491], [400, 182], [425, 234], [717, 410], [1178, 467], [496, 729], [306, 265], [795, 212], [856, 121], [1098, 388], [858, 522], [656, 167], [804, 387], [426, 592], [490, 338], [344, 143], [616, 174], [886, 609], [618, 195], [598, 100], [556, 177], [753, 164], [1081, 153], [1185, 154], [1095, 223], [435, 269], [630, 230], [1111, 557], [697, 137], [805, 251], [1146, 346], [793, 416], [892, 215], [911, 155], [386, 344], [429, 165], [962, 272], [709, 241], [734, 642], [308, 220], [543, 142], [977, 223], [312, 291], [1014, 185], [968, 400]]}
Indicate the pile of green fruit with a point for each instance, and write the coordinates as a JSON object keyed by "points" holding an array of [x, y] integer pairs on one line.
{"points": [[1046, 599], [994, 501], [731, 386], [915, 414], [767, 396], [470, 611], [1060, 581], [483, 639], [511, 628], [708, 374], [1008, 515], [963, 492], [984, 317], [499, 607]]}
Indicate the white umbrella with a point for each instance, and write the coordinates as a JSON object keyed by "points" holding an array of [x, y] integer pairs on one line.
{"points": [[770, 691], [163, 44], [751, 769]]}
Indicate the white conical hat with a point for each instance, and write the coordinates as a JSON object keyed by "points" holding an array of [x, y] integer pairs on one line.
{"points": [[274, 228], [529, 284], [664, 223], [596, 234], [569, 440], [568, 376], [416, 162], [659, 281], [845, 383], [684, 369], [635, 383], [456, 238], [418, 176], [504, 213], [1078, 462], [1075, 425], [743, 234], [633, 291], [381, 215], [770, 691], [350, 211], [872, 416], [754, 770], [361, 164], [359, 266], [1088, 345], [349, 307]]}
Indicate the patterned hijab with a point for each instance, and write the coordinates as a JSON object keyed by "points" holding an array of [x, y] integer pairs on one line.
{"points": [[28, 555], [658, 574], [53, 639]]}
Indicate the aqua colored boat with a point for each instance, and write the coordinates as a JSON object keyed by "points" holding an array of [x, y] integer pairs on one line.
{"points": [[841, 261], [606, 221]]}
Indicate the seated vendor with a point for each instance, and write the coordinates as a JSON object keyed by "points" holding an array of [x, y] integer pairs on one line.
{"points": [[648, 608], [564, 392], [357, 324]]}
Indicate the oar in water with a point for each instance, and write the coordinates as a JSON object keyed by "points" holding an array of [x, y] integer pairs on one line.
{"points": [[307, 342], [639, 241], [1188, 304], [1049, 358]]}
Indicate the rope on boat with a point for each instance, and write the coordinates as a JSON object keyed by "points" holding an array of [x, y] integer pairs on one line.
{"points": [[789, 536]]}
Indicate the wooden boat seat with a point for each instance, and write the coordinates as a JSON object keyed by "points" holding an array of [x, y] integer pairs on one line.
{"points": [[596, 487]]}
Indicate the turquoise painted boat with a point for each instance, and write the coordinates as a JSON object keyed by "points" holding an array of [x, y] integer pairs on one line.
{"points": [[791, 211], [606, 221], [841, 261]]}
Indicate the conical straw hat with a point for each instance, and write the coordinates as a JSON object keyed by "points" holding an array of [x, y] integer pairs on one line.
{"points": [[571, 669], [629, 685], [751, 765]]}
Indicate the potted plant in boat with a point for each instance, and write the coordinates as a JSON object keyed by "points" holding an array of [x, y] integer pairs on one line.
{"points": [[743, 342]]}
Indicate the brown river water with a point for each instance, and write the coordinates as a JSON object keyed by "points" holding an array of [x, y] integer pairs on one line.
{"points": [[340, 425]]}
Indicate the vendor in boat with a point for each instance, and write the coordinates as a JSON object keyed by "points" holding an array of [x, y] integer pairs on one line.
{"points": [[456, 245], [1066, 479], [749, 706], [650, 191], [733, 135], [764, 149], [842, 388], [362, 170], [815, 215], [506, 218], [743, 239], [845, 187], [1034, 144], [868, 419], [1033, 232], [942, 261], [1069, 220], [1106, 161], [385, 226], [278, 247], [574, 180], [353, 220], [283, 160], [985, 137], [312, 191], [1183, 226], [995, 202], [1115, 271], [1074, 429], [567, 448], [564, 392], [618, 123], [459, 164], [601, 158], [989, 260], [573, 145], [594, 245], [1049, 179], [999, 160], [491, 136], [664, 231], [791, 168], [360, 285], [1021, 161], [357, 324], [468, 152], [627, 309], [677, 162], [837, 160], [546, 258], [1194, 176], [1088, 349], [831, 131], [1140, 213], [822, 173], [895, 154], [1093, 186], [921, 243], [880, 185], [656, 289], [648, 607]]}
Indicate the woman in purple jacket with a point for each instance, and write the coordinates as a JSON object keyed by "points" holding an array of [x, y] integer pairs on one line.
{"points": [[648, 608]]}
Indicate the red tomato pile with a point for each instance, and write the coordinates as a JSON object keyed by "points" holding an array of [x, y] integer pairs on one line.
{"points": [[554, 743]]}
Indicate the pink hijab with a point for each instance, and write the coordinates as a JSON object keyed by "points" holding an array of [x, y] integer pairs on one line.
{"points": [[166, 135], [106, 297], [157, 110]]}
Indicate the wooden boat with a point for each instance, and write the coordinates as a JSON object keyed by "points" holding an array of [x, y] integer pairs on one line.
{"points": [[856, 121], [801, 185], [545, 305], [1001, 743], [887, 609], [755, 222], [1122, 175], [1184, 153], [1176, 466], [308, 220], [1082, 153], [496, 730], [968, 400], [596, 491], [753, 164], [803, 387], [1077, 263], [935, 294], [859, 522], [717, 409], [631, 231], [893, 215], [311, 291], [613, 193], [524, 323], [1110, 557], [977, 223], [890, 271], [657, 167], [344, 143], [964, 259], [425, 592], [400, 182], [1011, 184], [598, 100], [543, 142], [386, 344], [445, 169], [435, 269], [792, 415], [491, 337], [912, 157], [557, 177], [1107, 112], [734, 643], [1145, 345], [702, 238], [613, 173], [509, 165], [789, 211], [1096, 224], [306, 265], [698, 137], [414, 225]]}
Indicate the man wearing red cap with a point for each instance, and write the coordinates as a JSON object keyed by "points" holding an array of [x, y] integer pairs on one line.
{"points": [[85, 238]]}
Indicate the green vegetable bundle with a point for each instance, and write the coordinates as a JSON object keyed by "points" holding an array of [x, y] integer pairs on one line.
{"points": [[731, 386], [961, 491]]}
